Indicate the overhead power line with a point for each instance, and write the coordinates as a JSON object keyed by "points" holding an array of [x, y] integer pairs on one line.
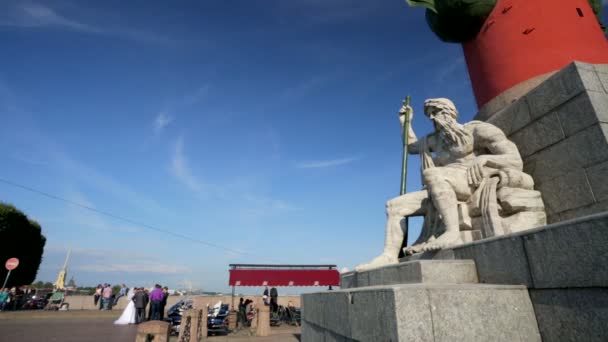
{"points": [[118, 217]]}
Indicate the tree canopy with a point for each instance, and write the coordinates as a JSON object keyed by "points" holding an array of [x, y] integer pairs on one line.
{"points": [[21, 238]]}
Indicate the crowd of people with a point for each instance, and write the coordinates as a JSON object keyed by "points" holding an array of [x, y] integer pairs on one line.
{"points": [[140, 298], [270, 297], [245, 312], [15, 297]]}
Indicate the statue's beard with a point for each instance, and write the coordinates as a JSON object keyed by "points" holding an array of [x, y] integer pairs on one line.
{"points": [[451, 133]]}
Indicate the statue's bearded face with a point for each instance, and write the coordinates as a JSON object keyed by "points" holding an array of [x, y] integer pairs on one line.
{"points": [[447, 127], [442, 120]]}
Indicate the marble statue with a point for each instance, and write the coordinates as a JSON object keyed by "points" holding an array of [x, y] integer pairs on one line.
{"points": [[473, 186]]}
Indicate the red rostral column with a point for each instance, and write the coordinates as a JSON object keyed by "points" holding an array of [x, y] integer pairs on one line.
{"points": [[522, 39]]}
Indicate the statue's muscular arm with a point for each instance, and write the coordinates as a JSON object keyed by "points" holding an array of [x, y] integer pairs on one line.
{"points": [[414, 145], [503, 153]]}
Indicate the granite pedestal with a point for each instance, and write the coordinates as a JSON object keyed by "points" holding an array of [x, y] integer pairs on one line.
{"points": [[421, 300]]}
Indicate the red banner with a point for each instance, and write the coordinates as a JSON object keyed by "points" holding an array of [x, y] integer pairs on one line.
{"points": [[277, 277]]}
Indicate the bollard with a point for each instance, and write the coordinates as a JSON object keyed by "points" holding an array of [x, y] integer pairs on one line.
{"points": [[193, 327], [157, 331], [232, 318], [200, 305], [263, 328]]}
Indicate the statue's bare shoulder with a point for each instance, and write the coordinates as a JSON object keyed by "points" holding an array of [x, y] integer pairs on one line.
{"points": [[485, 133]]}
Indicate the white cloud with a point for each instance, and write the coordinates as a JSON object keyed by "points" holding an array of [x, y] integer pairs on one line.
{"points": [[181, 169], [120, 261], [196, 96], [32, 15], [303, 88], [325, 163], [30, 144], [261, 206], [93, 220], [36, 15], [161, 121], [134, 267]]}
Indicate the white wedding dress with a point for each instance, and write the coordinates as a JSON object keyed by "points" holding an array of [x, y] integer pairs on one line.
{"points": [[128, 314]]}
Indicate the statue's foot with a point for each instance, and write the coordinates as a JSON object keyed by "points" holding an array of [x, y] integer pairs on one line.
{"points": [[378, 261], [445, 240], [417, 248], [411, 250]]}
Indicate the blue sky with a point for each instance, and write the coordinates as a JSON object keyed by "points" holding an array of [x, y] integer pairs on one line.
{"points": [[267, 127]]}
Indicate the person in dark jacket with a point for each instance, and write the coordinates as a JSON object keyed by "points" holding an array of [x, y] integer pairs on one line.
{"points": [[274, 299], [242, 316], [164, 302], [140, 301]]}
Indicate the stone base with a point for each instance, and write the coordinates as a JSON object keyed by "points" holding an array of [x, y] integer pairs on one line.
{"points": [[419, 271], [564, 266], [420, 312]]}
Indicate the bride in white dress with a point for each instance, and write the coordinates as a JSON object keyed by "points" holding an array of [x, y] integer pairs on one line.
{"points": [[128, 315]]}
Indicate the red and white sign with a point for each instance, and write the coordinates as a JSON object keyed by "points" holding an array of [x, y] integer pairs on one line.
{"points": [[11, 264]]}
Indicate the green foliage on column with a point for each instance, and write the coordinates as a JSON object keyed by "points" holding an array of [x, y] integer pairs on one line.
{"points": [[456, 21]]}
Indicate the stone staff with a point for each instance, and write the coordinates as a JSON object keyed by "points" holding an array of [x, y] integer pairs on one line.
{"points": [[405, 139]]}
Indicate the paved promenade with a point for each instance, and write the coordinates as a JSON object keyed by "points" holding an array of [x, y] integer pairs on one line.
{"points": [[97, 326]]}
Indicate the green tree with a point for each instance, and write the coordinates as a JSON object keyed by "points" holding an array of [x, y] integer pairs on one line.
{"points": [[21, 238], [38, 285], [47, 285]]}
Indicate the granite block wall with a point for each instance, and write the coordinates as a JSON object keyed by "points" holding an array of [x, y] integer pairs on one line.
{"points": [[561, 130]]}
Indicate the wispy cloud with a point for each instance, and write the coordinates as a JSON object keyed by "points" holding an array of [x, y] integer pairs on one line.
{"points": [[197, 95], [32, 145], [118, 261], [92, 220], [142, 266], [265, 206], [319, 164], [22, 14], [161, 121], [180, 168], [315, 12], [303, 88], [446, 72]]}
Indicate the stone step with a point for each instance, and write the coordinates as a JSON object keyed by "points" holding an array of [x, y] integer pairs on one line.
{"points": [[421, 312], [417, 271]]}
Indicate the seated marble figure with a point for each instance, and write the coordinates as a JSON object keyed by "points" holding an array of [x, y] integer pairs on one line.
{"points": [[473, 187]]}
